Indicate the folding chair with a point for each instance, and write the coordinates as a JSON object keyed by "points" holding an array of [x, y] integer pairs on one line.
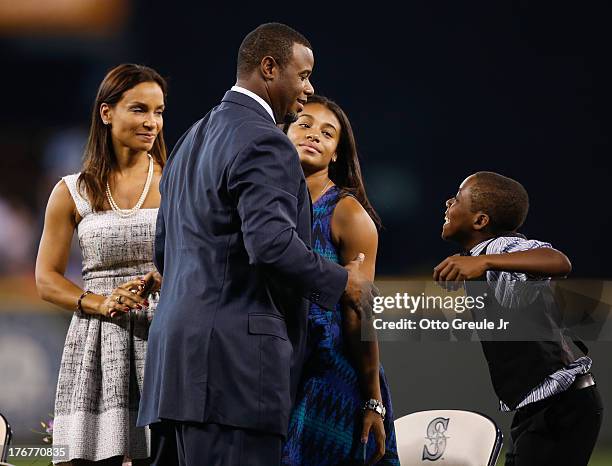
{"points": [[449, 437], [5, 437]]}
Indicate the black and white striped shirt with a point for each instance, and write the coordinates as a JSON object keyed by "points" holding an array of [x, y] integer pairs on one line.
{"points": [[502, 283]]}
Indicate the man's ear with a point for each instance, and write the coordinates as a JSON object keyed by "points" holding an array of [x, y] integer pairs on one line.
{"points": [[481, 220], [268, 67]]}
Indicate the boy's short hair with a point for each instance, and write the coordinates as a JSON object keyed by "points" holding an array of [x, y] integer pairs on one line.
{"points": [[503, 199], [273, 39]]}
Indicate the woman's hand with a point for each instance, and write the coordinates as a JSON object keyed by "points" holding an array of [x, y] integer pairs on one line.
{"points": [[123, 299], [372, 421], [150, 283]]}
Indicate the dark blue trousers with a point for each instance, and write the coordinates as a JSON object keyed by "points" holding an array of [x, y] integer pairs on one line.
{"points": [[196, 444]]}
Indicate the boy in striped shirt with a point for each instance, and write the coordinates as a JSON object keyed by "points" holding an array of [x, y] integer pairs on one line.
{"points": [[558, 408]]}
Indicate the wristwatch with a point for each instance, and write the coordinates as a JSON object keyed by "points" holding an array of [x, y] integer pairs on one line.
{"points": [[376, 406]]}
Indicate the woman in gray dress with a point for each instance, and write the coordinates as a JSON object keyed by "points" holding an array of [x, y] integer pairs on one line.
{"points": [[112, 204]]}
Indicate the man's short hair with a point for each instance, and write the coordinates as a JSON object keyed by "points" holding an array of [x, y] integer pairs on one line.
{"points": [[503, 199], [273, 39]]}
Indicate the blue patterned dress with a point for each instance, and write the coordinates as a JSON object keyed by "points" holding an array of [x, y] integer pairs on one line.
{"points": [[325, 424]]}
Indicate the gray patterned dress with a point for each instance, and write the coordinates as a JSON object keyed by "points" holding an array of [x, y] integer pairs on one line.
{"points": [[102, 367]]}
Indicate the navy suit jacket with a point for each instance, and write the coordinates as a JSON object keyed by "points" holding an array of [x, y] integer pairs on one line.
{"points": [[233, 245]]}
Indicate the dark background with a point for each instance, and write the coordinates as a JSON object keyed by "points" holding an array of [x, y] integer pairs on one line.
{"points": [[435, 91]]}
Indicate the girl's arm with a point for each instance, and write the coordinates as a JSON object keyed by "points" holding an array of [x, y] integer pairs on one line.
{"points": [[353, 231]]}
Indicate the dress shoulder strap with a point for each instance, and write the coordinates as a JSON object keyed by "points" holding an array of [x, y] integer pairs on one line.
{"points": [[80, 198]]}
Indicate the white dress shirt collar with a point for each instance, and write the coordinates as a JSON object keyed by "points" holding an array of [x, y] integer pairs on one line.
{"points": [[262, 102]]}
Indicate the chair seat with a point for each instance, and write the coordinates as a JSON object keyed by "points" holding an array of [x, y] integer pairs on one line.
{"points": [[453, 437], [5, 438]]}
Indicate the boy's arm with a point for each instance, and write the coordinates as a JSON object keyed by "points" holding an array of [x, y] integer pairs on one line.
{"points": [[541, 261]]}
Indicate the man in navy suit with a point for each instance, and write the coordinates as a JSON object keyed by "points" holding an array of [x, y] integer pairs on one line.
{"points": [[233, 246]]}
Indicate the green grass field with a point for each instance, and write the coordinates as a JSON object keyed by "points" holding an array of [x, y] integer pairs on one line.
{"points": [[601, 457]]}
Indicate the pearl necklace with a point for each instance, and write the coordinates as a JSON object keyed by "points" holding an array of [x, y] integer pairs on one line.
{"points": [[129, 212]]}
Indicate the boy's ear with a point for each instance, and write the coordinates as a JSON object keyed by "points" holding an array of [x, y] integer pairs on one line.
{"points": [[481, 220]]}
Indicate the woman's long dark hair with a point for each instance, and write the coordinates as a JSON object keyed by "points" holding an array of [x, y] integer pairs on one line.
{"points": [[99, 157], [345, 172]]}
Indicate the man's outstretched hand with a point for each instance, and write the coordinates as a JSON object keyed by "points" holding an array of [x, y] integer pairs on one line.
{"points": [[360, 291]]}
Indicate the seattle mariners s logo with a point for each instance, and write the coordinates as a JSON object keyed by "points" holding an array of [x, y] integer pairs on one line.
{"points": [[437, 440]]}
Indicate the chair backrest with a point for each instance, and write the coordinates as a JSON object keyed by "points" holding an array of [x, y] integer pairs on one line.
{"points": [[5, 437], [449, 437]]}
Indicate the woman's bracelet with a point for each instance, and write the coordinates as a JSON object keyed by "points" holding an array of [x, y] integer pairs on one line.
{"points": [[79, 307], [376, 406]]}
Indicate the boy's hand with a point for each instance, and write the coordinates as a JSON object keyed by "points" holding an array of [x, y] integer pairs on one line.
{"points": [[454, 269]]}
